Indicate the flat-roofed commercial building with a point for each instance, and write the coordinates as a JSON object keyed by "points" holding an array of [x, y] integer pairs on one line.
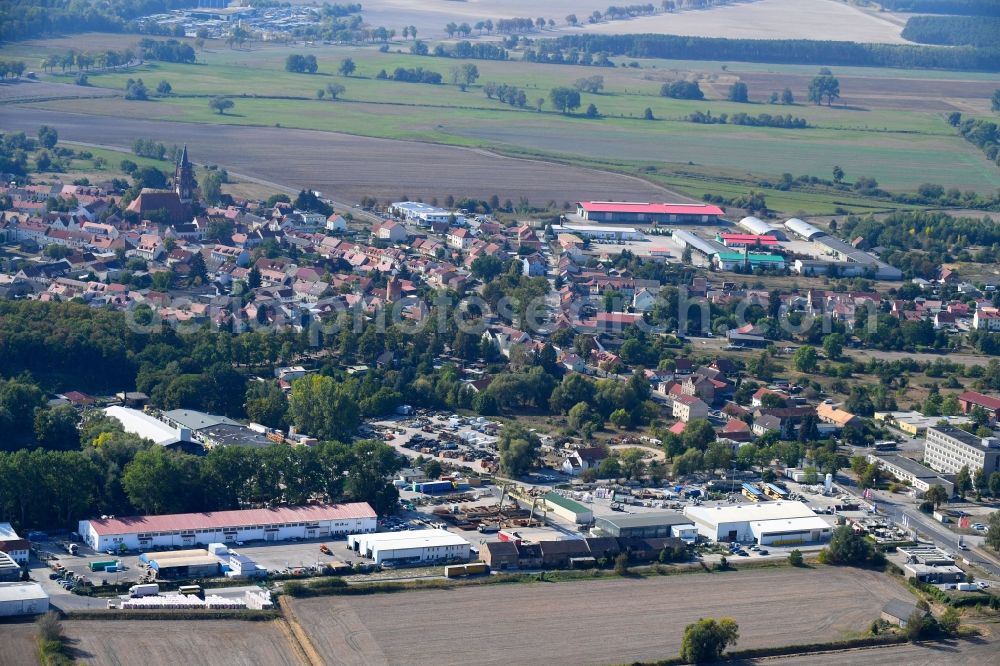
{"points": [[187, 529], [769, 523], [22, 599], [948, 450], [920, 477], [651, 524], [637, 212], [411, 546]]}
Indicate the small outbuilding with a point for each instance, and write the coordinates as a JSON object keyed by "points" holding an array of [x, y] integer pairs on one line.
{"points": [[898, 612]]}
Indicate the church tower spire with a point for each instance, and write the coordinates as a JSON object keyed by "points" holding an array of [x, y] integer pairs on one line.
{"points": [[184, 182]]}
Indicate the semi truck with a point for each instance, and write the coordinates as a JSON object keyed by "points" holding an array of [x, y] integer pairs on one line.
{"points": [[144, 590]]}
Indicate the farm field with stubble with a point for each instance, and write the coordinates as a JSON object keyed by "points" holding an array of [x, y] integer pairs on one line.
{"points": [[591, 621]]}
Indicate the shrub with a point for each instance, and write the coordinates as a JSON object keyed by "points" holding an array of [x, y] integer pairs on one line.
{"points": [[795, 558]]}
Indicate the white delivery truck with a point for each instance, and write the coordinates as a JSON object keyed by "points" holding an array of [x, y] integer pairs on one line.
{"points": [[144, 590]]}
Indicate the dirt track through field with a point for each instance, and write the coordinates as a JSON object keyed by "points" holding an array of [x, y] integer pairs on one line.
{"points": [[346, 167], [591, 622]]}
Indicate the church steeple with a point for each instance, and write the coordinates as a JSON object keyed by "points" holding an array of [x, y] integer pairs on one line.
{"points": [[184, 182]]}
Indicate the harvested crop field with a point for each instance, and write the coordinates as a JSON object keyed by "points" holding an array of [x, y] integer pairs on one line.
{"points": [[26, 90], [871, 92], [591, 622], [766, 19], [188, 642], [17, 644], [346, 167]]}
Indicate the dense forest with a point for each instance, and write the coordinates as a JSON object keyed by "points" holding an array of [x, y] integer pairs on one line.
{"points": [[21, 19], [954, 30], [798, 51], [960, 7]]}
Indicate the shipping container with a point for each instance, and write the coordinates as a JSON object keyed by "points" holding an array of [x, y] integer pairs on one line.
{"points": [[474, 568], [102, 565], [454, 570]]}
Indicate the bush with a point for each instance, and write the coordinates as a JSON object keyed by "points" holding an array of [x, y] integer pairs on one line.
{"points": [[795, 558]]}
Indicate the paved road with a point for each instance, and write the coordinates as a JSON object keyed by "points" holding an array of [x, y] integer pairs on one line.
{"points": [[896, 506]]}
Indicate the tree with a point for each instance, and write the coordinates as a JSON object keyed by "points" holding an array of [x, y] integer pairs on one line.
{"points": [[347, 67], [265, 403], [838, 174], [937, 495], [993, 531], [592, 111], [833, 345], [847, 547], [334, 90], [432, 469], [486, 267], [805, 358], [738, 92], [648, 114], [319, 406], [164, 88], [464, 75], [55, 428], [824, 86], [995, 101], [565, 99], [47, 137], [199, 271], [620, 418], [374, 463], [220, 104], [211, 187], [706, 640], [949, 620], [518, 450], [786, 97], [963, 481], [682, 90], [621, 564], [995, 484]]}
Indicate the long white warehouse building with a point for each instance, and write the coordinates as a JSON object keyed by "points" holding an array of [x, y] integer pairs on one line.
{"points": [[187, 529], [767, 523], [411, 546]]}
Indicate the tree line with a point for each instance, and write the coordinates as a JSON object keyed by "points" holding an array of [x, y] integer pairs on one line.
{"points": [[115, 473], [960, 7], [761, 120], [798, 51], [953, 30], [412, 75]]}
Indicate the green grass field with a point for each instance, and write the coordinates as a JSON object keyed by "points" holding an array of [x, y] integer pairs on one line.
{"points": [[899, 147]]}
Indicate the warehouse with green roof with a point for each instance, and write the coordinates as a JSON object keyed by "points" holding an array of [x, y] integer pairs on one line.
{"points": [[567, 509]]}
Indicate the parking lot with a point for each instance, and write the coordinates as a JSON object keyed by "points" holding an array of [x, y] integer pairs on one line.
{"points": [[465, 442]]}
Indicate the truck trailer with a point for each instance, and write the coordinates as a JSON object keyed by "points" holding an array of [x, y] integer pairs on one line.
{"points": [[144, 590]]}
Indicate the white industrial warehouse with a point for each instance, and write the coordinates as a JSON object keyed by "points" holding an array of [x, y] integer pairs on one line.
{"points": [[767, 523], [187, 529], [22, 599], [759, 227], [411, 546], [139, 423]]}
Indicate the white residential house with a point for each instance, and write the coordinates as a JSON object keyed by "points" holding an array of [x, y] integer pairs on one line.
{"points": [[644, 300], [986, 320], [459, 238], [391, 231], [336, 223], [689, 407], [578, 460]]}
